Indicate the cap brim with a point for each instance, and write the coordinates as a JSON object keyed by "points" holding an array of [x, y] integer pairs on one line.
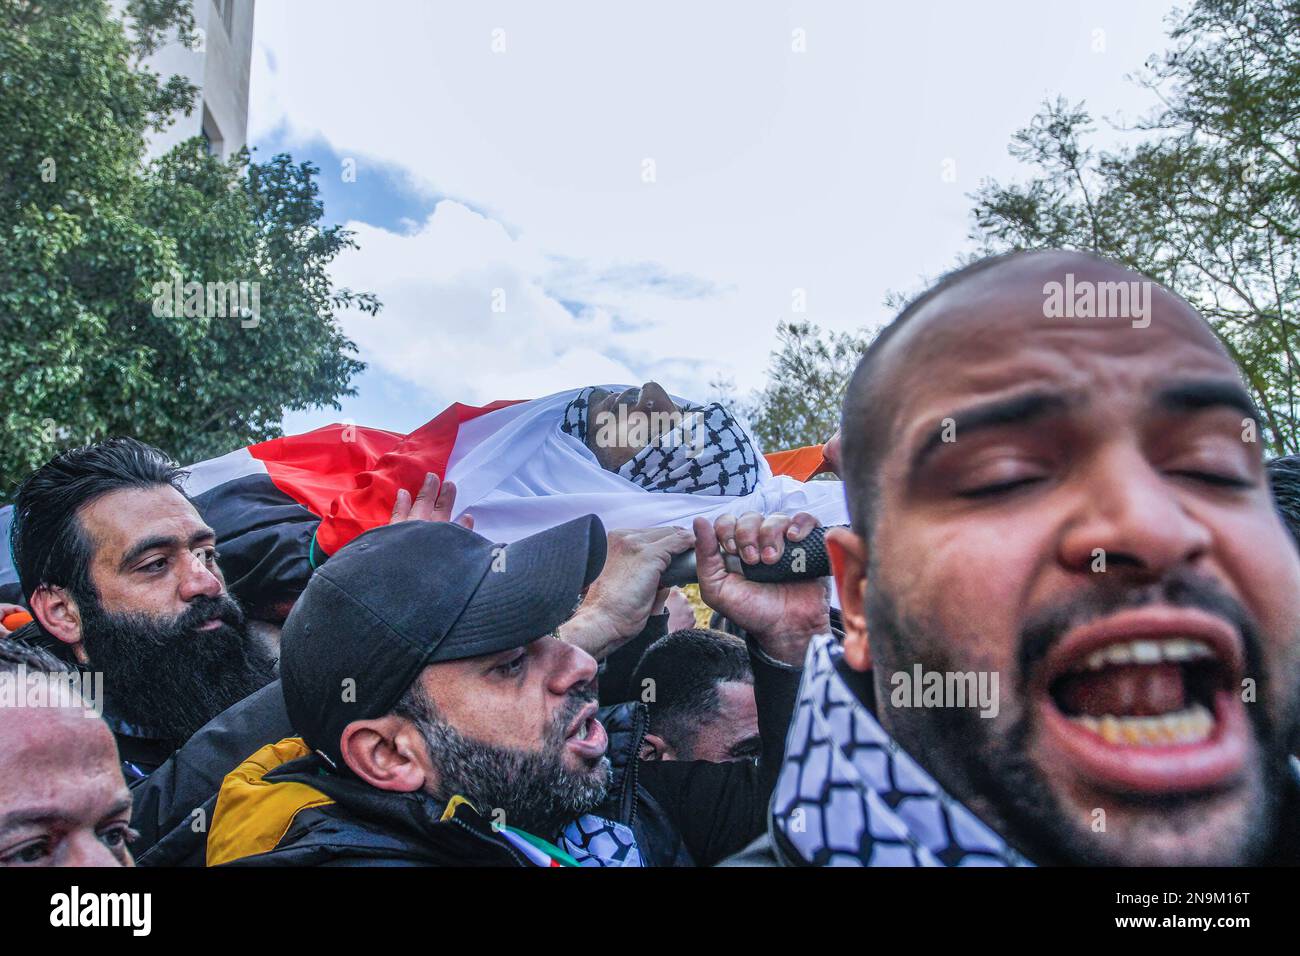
{"points": [[532, 588]]}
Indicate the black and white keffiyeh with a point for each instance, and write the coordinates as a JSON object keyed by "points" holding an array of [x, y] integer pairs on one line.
{"points": [[848, 795], [596, 841], [706, 452]]}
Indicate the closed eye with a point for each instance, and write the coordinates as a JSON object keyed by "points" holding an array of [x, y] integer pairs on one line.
{"points": [[997, 488], [1212, 478]]}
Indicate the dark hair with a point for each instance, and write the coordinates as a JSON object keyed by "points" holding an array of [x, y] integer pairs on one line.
{"points": [[1284, 479], [48, 543], [687, 666], [15, 653]]}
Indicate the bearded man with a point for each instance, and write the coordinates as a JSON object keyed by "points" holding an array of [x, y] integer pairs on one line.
{"points": [[121, 574], [448, 711]]}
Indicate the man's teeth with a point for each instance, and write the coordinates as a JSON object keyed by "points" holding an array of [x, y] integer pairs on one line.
{"points": [[1176, 649], [1189, 726], [584, 729]]}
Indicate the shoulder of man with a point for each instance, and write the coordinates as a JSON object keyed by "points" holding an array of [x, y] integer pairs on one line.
{"points": [[173, 804]]}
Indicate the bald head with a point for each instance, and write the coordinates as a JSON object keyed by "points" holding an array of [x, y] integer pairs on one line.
{"points": [[984, 310], [1055, 479]]}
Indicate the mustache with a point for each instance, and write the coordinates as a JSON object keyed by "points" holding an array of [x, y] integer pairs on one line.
{"points": [[578, 698], [1045, 629], [204, 608]]}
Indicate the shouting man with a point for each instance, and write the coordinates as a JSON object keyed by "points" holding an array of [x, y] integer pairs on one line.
{"points": [[1071, 502]]}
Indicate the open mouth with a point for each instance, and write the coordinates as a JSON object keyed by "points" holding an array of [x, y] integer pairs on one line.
{"points": [[1147, 701], [586, 735]]}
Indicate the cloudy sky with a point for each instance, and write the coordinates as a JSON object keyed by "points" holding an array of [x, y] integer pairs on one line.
{"points": [[550, 195]]}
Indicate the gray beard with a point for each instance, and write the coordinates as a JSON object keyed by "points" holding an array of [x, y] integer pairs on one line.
{"points": [[530, 790]]}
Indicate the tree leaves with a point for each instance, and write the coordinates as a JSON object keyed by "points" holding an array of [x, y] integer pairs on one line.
{"points": [[88, 230], [1209, 206]]}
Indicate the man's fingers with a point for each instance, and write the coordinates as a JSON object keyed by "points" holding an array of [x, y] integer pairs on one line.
{"points": [[426, 498], [679, 540], [709, 568], [771, 537], [747, 526], [401, 506], [800, 525], [445, 503], [725, 528]]}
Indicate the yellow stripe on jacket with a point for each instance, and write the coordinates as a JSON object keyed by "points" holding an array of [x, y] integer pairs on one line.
{"points": [[252, 814]]}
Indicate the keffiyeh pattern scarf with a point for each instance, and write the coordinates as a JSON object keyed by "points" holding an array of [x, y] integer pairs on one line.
{"points": [[848, 795], [705, 453], [596, 841]]}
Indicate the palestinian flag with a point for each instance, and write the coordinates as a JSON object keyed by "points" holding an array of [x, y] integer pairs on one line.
{"points": [[281, 507]]}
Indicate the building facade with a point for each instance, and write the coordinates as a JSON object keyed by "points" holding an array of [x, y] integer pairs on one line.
{"points": [[219, 65]]}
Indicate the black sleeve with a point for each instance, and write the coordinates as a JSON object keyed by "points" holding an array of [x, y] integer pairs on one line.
{"points": [[616, 670], [165, 800], [719, 808]]}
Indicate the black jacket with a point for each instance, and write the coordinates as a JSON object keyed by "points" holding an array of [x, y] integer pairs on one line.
{"points": [[684, 812], [363, 826], [172, 808]]}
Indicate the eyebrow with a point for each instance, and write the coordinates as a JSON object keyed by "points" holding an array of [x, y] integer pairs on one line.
{"points": [[1201, 394], [1016, 410], [45, 816], [165, 542]]}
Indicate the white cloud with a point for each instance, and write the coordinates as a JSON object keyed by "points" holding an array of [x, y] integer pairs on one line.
{"points": [[775, 170], [465, 314]]}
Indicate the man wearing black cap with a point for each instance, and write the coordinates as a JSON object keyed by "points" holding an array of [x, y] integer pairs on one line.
{"points": [[446, 720]]}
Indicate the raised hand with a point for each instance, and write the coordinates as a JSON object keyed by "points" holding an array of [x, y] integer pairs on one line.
{"points": [[435, 501]]}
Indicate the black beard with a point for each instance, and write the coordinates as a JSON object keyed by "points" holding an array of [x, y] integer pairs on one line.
{"points": [[994, 766], [166, 675], [534, 789]]}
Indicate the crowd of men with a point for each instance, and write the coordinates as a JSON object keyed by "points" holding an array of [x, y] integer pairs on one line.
{"points": [[1073, 512]]}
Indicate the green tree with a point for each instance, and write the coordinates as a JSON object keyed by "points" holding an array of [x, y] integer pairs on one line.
{"points": [[1208, 203], [91, 235], [806, 377]]}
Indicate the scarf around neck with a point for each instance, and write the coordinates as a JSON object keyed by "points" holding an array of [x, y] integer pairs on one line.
{"points": [[706, 452], [848, 795]]}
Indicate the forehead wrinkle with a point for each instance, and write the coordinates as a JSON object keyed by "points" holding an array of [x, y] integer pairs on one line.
{"points": [[949, 348]]}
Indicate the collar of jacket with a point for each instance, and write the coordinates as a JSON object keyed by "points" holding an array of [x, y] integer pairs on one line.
{"points": [[284, 804], [848, 795]]}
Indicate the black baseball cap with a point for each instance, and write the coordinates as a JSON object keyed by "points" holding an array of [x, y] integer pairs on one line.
{"points": [[403, 596]]}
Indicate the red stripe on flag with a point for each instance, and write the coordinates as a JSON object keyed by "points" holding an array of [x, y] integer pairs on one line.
{"points": [[350, 475]]}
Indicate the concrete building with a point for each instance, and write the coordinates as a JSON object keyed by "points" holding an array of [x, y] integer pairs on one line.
{"points": [[219, 66]]}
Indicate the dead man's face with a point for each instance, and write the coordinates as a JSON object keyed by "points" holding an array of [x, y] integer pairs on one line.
{"points": [[621, 424]]}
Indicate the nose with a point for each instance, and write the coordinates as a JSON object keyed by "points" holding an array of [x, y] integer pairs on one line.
{"points": [[1133, 521], [570, 667], [654, 398], [198, 577]]}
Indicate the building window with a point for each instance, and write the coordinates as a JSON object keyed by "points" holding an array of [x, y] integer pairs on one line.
{"points": [[212, 135]]}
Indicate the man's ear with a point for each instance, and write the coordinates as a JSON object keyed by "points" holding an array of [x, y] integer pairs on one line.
{"points": [[59, 615], [849, 562], [389, 753], [654, 747]]}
